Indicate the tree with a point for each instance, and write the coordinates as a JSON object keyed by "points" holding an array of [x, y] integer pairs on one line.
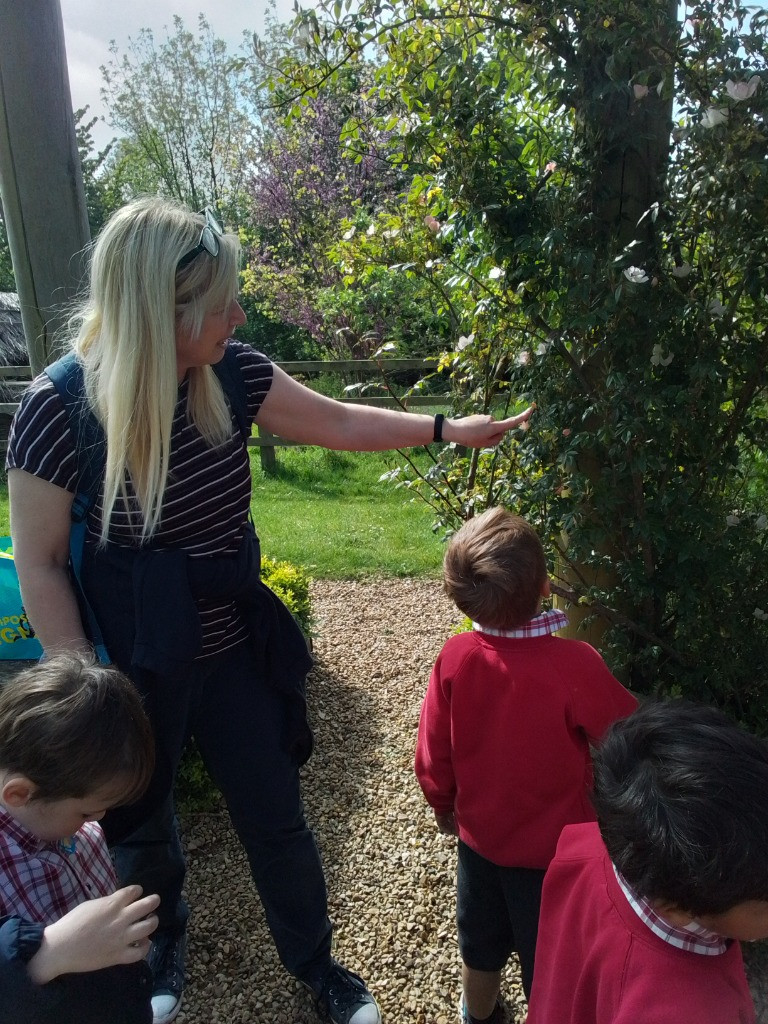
{"points": [[325, 219], [101, 197], [613, 270], [184, 111], [308, 193]]}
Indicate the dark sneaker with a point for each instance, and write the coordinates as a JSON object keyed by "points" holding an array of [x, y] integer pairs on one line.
{"points": [[344, 999], [166, 960], [497, 1017]]}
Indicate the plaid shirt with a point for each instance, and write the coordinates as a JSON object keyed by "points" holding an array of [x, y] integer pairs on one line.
{"points": [[692, 937], [540, 625], [41, 881]]}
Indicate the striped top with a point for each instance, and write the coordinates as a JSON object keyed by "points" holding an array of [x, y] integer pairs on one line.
{"points": [[207, 499]]}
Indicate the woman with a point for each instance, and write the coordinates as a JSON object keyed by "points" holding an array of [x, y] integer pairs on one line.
{"points": [[170, 565]]}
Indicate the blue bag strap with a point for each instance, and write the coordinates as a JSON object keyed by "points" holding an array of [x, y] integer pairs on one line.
{"points": [[90, 445]]}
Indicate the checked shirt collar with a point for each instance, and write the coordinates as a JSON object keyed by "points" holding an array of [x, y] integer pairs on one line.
{"points": [[540, 625], [692, 937]]}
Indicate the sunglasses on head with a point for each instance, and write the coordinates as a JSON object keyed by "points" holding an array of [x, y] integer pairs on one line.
{"points": [[209, 240]]}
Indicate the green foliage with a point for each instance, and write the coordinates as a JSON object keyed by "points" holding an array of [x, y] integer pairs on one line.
{"points": [[291, 585], [186, 114], [319, 198], [195, 792], [609, 268], [389, 289], [101, 197], [280, 341]]}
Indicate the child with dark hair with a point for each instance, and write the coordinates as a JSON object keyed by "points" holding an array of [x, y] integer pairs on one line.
{"points": [[503, 752], [74, 741], [642, 912]]}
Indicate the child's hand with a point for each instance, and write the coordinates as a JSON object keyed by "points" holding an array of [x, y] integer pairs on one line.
{"points": [[99, 933], [446, 823]]}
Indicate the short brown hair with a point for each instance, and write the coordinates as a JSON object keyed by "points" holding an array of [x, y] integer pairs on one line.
{"points": [[494, 569], [71, 726]]}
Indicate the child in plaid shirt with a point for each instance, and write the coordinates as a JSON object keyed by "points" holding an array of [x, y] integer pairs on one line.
{"points": [[74, 741], [503, 745]]}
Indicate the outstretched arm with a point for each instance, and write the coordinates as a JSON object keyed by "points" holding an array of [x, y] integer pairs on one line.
{"points": [[297, 413]]}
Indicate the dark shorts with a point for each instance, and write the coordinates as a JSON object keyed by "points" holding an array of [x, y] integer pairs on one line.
{"points": [[497, 913]]}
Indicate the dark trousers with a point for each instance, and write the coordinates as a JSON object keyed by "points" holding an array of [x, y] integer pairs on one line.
{"points": [[238, 722], [497, 911]]}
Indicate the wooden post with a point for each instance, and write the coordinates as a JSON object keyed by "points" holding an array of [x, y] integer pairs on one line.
{"points": [[267, 451], [40, 177]]}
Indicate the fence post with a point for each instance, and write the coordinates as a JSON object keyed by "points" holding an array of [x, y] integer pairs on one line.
{"points": [[267, 451]]}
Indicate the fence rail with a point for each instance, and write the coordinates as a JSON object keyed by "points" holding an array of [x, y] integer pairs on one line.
{"points": [[263, 440]]}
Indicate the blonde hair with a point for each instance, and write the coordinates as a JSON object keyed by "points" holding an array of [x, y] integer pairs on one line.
{"points": [[494, 569], [124, 335]]}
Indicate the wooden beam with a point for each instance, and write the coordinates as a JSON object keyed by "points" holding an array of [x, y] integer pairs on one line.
{"points": [[357, 365], [40, 177]]}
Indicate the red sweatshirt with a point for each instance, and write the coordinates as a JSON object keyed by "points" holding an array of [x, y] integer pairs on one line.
{"points": [[504, 740], [598, 963]]}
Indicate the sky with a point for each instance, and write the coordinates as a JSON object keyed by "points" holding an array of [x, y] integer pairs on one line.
{"points": [[90, 25]]}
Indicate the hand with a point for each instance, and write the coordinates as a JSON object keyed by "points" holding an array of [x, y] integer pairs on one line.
{"points": [[99, 933], [480, 431], [446, 823]]}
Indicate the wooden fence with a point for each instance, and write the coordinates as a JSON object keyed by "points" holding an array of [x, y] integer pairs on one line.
{"points": [[16, 378]]}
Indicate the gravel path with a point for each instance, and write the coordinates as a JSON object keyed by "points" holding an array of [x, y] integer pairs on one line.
{"points": [[390, 874]]}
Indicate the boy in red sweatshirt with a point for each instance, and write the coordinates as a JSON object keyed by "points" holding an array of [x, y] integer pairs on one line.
{"points": [[641, 915], [503, 751]]}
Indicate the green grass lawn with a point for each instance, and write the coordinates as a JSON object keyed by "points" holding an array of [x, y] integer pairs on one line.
{"points": [[328, 512]]}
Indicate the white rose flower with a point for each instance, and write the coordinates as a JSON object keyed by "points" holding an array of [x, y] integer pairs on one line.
{"points": [[739, 91], [636, 275], [657, 359], [713, 116]]}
